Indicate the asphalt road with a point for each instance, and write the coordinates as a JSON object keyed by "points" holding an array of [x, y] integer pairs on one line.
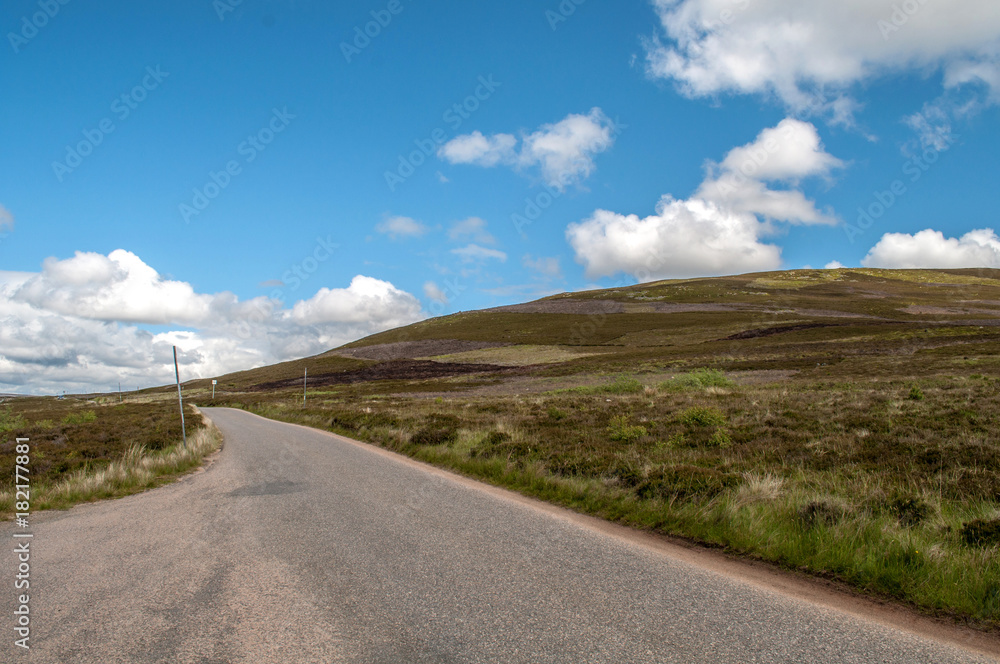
{"points": [[298, 546]]}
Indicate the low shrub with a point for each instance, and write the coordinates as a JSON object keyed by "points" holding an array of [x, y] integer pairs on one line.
{"points": [[11, 421], [981, 532], [697, 379], [438, 429], [498, 444], [909, 510], [620, 430], [80, 418], [700, 416], [684, 481], [819, 512]]}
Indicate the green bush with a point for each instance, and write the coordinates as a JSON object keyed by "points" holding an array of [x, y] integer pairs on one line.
{"points": [[10, 421], [697, 379], [497, 444], [916, 394], [720, 438], [556, 414], [699, 416], [80, 418], [623, 385], [620, 430]]}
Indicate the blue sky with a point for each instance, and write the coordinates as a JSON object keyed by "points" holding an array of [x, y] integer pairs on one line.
{"points": [[596, 109]]}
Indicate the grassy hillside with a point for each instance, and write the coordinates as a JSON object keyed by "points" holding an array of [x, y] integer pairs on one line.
{"points": [[837, 422]]}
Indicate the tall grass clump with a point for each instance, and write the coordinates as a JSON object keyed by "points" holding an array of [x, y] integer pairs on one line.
{"points": [[10, 421], [622, 384], [696, 380]]}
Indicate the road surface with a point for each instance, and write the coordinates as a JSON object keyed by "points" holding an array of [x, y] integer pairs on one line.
{"points": [[299, 546]]}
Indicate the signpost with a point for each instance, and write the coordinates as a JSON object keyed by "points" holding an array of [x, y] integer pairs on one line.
{"points": [[213, 389]]}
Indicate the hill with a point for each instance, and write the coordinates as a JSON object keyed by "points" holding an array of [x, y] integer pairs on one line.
{"points": [[813, 322]]}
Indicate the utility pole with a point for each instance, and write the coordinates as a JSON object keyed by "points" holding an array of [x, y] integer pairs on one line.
{"points": [[119, 391], [305, 381], [180, 399]]}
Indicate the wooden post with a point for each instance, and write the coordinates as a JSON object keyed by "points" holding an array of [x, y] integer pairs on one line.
{"points": [[305, 381], [180, 399]]}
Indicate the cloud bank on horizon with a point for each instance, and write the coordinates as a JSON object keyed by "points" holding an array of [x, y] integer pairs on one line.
{"points": [[78, 325]]}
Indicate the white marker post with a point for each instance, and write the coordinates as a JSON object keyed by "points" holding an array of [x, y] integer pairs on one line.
{"points": [[213, 389], [180, 399], [305, 381]]}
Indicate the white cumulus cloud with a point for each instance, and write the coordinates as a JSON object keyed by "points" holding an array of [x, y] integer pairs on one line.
{"points": [[720, 228], [116, 287], [480, 150], [683, 239], [366, 300], [563, 151], [931, 249], [811, 54]]}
